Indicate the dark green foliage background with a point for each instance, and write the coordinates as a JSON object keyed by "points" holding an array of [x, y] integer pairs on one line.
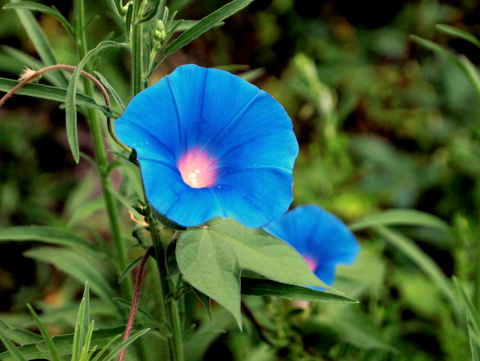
{"points": [[382, 123]]}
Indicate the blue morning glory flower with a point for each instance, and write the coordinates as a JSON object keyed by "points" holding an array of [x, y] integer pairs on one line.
{"points": [[211, 145], [321, 238]]}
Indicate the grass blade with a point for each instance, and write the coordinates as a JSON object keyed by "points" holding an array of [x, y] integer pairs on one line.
{"points": [[462, 65], [16, 354], [28, 5], [114, 353], [402, 217], [81, 326], [55, 94], [39, 40], [202, 26], [46, 336], [424, 262], [462, 34], [45, 234], [71, 101]]}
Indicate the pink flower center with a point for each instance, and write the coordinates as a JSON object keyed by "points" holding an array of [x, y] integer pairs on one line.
{"points": [[311, 263], [198, 168]]}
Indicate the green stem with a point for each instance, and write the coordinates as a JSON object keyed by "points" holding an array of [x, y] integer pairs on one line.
{"points": [[169, 307], [102, 160], [96, 132], [137, 49]]}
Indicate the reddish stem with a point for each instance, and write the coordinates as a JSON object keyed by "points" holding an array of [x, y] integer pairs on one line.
{"points": [[136, 297]]}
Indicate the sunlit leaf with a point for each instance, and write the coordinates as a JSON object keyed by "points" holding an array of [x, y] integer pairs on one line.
{"points": [[211, 259]]}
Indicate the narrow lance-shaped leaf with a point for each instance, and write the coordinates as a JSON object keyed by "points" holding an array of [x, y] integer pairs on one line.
{"points": [[46, 336], [23, 60], [40, 41], [18, 335], [211, 259], [71, 102], [44, 234], [54, 93], [63, 344], [14, 352], [462, 34], [78, 266], [392, 217], [202, 26], [81, 326], [28, 5], [260, 287], [425, 263], [462, 65]]}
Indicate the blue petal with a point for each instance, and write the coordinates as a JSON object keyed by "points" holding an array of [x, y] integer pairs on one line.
{"points": [[170, 196], [255, 196], [318, 235], [244, 128]]}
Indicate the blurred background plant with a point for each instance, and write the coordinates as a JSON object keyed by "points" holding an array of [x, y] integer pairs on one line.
{"points": [[383, 123]]}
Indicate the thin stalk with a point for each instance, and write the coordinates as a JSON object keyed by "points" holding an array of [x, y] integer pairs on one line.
{"points": [[102, 160], [126, 286], [136, 298], [137, 49], [169, 307]]}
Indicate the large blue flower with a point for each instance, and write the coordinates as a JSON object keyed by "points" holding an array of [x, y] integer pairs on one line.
{"points": [[320, 237], [210, 145]]}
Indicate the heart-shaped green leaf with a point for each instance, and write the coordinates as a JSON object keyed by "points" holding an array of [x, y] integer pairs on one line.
{"points": [[212, 257]]}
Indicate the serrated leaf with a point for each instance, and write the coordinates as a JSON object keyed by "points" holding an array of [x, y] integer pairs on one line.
{"points": [[211, 259], [259, 287], [404, 217], [54, 93]]}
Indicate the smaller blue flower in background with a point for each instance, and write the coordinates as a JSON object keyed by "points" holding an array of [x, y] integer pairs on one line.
{"points": [[210, 144], [321, 238]]}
